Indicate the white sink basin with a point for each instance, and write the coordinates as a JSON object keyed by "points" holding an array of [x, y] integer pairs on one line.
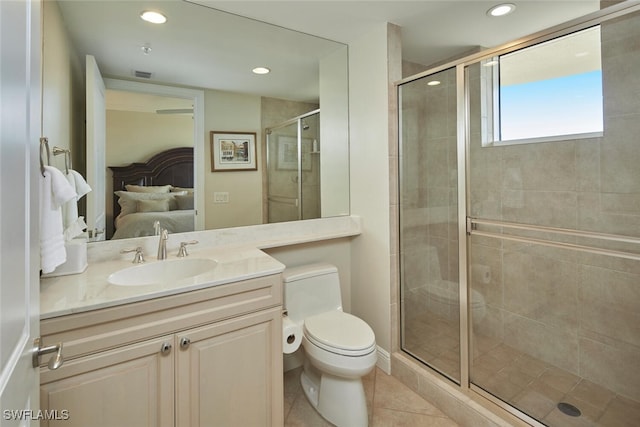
{"points": [[162, 272]]}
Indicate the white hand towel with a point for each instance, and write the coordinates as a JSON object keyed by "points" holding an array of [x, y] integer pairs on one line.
{"points": [[55, 190], [75, 228], [81, 185], [74, 225]]}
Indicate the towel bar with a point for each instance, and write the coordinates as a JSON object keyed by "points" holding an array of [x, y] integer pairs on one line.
{"points": [[67, 157]]}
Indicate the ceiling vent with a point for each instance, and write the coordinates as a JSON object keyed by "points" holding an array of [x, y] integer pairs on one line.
{"points": [[142, 74]]}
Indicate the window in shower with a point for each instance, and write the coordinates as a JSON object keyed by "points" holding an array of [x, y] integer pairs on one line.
{"points": [[545, 92]]}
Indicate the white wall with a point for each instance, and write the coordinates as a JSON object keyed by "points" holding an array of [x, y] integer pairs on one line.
{"points": [[334, 134], [229, 112], [62, 88], [136, 136], [369, 78]]}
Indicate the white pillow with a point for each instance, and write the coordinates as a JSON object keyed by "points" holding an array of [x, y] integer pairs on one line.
{"points": [[128, 200], [148, 189], [185, 202], [161, 205], [186, 190]]}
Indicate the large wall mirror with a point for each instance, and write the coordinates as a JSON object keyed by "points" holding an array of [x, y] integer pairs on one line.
{"points": [[120, 92]]}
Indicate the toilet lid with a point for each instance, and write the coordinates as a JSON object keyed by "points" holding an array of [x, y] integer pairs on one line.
{"points": [[340, 332]]}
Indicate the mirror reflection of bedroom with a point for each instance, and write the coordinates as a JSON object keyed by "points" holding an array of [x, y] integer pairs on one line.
{"points": [[130, 171], [149, 150], [153, 178]]}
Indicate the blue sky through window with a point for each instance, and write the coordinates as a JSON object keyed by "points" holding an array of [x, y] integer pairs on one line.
{"points": [[560, 106]]}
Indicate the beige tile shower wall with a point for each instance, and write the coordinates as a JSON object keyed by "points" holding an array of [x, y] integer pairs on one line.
{"points": [[618, 211], [577, 311]]}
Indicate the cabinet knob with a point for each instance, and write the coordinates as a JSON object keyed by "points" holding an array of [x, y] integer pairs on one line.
{"points": [[165, 348], [184, 343]]}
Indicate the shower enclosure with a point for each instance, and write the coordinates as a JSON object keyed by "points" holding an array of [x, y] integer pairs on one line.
{"points": [[520, 231], [293, 169]]}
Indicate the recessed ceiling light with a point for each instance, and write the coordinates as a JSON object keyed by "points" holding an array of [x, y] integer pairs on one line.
{"points": [[501, 9], [433, 83], [153, 17], [261, 70]]}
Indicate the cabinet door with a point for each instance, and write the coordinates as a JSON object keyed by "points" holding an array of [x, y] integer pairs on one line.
{"points": [[128, 386], [230, 373]]}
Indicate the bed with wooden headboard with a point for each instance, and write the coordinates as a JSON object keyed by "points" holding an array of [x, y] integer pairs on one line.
{"points": [[160, 189]]}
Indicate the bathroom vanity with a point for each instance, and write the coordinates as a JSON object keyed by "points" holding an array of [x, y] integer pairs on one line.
{"points": [[192, 353]]}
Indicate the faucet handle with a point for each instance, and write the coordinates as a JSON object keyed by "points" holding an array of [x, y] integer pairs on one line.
{"points": [[182, 252], [138, 258]]}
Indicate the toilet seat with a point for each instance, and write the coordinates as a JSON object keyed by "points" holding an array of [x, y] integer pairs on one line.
{"points": [[341, 333]]}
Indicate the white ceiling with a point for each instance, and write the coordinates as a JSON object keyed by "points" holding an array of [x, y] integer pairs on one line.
{"points": [[202, 47], [432, 30]]}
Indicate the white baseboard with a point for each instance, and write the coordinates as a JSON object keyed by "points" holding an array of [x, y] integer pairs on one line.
{"points": [[384, 360]]}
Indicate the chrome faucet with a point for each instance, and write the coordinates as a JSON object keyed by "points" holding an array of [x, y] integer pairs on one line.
{"points": [[162, 244]]}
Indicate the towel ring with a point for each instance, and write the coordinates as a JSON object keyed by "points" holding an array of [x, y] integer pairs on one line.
{"points": [[44, 142]]}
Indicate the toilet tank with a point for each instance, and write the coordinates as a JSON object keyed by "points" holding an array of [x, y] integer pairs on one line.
{"points": [[311, 289]]}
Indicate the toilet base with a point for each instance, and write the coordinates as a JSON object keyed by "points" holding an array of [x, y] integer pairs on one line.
{"points": [[341, 401]]}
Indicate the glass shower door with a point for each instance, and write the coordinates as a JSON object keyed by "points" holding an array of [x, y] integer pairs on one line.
{"points": [[282, 173], [550, 266], [430, 303], [293, 169], [554, 256]]}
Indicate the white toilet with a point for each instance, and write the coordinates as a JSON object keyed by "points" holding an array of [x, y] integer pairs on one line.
{"points": [[339, 348]]}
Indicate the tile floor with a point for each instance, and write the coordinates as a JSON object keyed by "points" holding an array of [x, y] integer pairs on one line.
{"points": [[533, 386], [536, 388], [390, 403]]}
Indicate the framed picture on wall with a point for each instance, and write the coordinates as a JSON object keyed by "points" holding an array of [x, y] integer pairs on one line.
{"points": [[233, 151]]}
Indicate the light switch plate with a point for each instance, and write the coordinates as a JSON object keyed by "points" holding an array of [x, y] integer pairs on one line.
{"points": [[221, 197]]}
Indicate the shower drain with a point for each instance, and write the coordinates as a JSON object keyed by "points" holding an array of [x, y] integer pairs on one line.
{"points": [[569, 409]]}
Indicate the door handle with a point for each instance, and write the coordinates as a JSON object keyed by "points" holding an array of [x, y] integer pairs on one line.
{"points": [[55, 362]]}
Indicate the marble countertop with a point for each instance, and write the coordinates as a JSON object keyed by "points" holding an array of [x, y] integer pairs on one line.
{"points": [[237, 250], [90, 290]]}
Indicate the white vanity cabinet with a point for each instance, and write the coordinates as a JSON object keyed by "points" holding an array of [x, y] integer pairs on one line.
{"points": [[226, 375], [132, 385], [210, 357]]}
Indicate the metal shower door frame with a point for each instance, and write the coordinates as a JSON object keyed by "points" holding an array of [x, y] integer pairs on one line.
{"points": [[298, 121]]}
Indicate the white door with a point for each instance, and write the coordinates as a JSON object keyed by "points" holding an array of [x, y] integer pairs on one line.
{"points": [[96, 143], [19, 217]]}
